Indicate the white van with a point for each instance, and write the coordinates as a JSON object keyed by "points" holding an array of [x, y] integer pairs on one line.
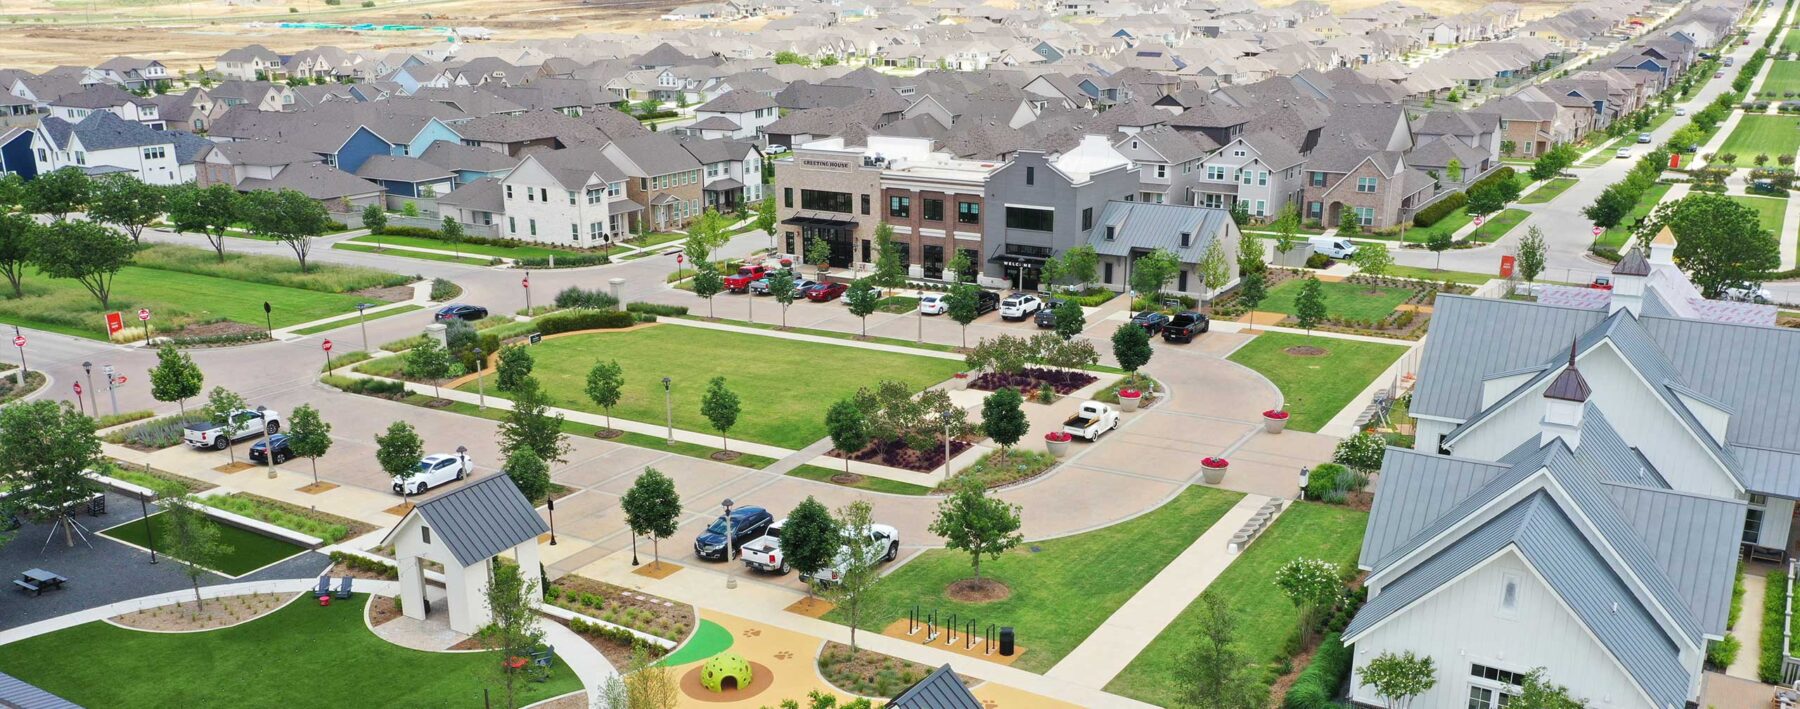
{"points": [[1332, 246]]}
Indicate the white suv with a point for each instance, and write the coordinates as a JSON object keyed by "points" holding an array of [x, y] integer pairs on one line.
{"points": [[1019, 306], [933, 304], [433, 471]]}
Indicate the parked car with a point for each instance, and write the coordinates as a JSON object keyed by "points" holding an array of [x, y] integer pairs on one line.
{"points": [[1749, 293], [1091, 421], [1185, 326], [1151, 320], [1019, 306], [883, 546], [747, 523], [1601, 283], [1643, 139], [986, 301], [1680, 111], [1622, 153], [764, 553], [933, 304], [1333, 246], [1718, 75], [740, 281], [432, 471], [1046, 316], [761, 287], [1730, 61], [460, 311], [244, 423], [259, 453], [825, 292]]}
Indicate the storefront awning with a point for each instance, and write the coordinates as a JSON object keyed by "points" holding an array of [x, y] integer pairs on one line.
{"points": [[818, 219], [1018, 260]]}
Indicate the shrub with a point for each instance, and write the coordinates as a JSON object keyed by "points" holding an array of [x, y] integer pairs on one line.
{"points": [[278, 515], [1721, 653], [668, 311], [577, 297], [442, 289], [382, 388], [1317, 685], [155, 433], [1436, 211], [583, 320], [1768, 667], [571, 260], [1331, 482], [362, 563], [413, 231], [111, 420], [1318, 260]]}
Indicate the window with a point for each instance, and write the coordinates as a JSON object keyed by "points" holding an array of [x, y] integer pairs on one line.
{"points": [[153, 153], [533, 224], [825, 201], [571, 197], [1187, 239], [968, 212], [1030, 175], [1106, 270], [1162, 171], [1087, 218], [425, 534], [1111, 232], [787, 197], [1366, 184], [512, 225], [575, 232], [1262, 178], [1238, 152], [865, 205], [1753, 519], [530, 196], [595, 195], [509, 192], [1318, 179], [1262, 208], [1492, 688], [900, 207], [1365, 216], [1246, 176], [1215, 173], [597, 231], [1315, 209], [544, 195], [80, 158], [934, 210], [1509, 595], [1031, 219]]}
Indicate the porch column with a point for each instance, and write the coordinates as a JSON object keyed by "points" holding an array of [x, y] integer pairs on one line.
{"points": [[412, 588]]}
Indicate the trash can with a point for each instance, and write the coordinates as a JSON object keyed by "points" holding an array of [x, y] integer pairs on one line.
{"points": [[1006, 640]]}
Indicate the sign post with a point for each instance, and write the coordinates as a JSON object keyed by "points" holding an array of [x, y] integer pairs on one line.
{"points": [[112, 388], [326, 345], [526, 284], [678, 259], [144, 317], [19, 342], [1506, 266], [79, 402], [115, 323]]}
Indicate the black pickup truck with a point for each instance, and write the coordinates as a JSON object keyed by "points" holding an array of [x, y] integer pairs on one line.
{"points": [[1185, 326]]}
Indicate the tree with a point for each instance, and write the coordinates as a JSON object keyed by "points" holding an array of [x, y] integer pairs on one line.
{"points": [[1287, 230], [451, 232], [18, 237], [12, 191], [605, 383], [1363, 452], [787, 57], [1439, 242], [863, 300], [530, 473], [222, 406], [970, 521], [1311, 583], [652, 507], [89, 253], [287, 216], [374, 218], [1374, 261], [1250, 254], [707, 283], [649, 684], [1485, 198], [1536, 691], [1400, 677], [1532, 253], [125, 202], [175, 377], [859, 564], [1349, 222], [1721, 242], [1309, 306], [964, 305], [512, 599], [1081, 264], [961, 266], [765, 217], [890, 272], [189, 537], [531, 426], [1131, 347], [1240, 212], [1214, 268], [720, 406], [810, 538], [1215, 673], [398, 452], [706, 234], [514, 366], [57, 193], [781, 285], [1003, 419], [848, 429], [309, 436], [1252, 293], [818, 253], [429, 361], [1454, 170], [1069, 319], [1152, 270], [46, 449], [1608, 209], [210, 211]]}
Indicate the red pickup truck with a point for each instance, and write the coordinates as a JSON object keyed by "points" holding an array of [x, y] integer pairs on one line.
{"points": [[740, 282]]}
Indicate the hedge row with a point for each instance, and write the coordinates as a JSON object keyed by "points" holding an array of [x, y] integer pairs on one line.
{"points": [[667, 311], [565, 261], [571, 321], [1768, 667], [1319, 682], [433, 234], [361, 563], [1436, 211]]}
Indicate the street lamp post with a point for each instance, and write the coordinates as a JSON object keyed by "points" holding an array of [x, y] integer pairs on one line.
{"points": [[89, 368], [112, 388], [362, 321], [144, 514], [551, 501], [669, 407], [480, 385], [730, 580], [268, 440], [945, 415], [269, 318]]}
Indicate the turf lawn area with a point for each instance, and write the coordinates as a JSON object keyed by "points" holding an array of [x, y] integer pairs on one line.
{"points": [[1265, 617], [1605, 155], [1498, 225], [377, 315], [467, 249], [1057, 599], [783, 386], [249, 551], [1343, 300], [1784, 76], [1426, 274], [1548, 191], [403, 253], [325, 655], [1618, 235], [174, 298], [1761, 134], [1772, 210], [655, 239], [1316, 388], [869, 483]]}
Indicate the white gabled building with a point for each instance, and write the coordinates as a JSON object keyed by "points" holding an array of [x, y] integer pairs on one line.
{"points": [[104, 142], [572, 197]]}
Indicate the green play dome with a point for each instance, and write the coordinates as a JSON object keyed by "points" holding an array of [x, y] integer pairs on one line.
{"points": [[726, 670]]}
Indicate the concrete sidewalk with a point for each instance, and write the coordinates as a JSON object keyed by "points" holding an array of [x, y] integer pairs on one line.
{"points": [[1131, 628]]}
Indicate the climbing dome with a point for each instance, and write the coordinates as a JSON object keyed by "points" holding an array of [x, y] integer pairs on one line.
{"points": [[726, 670]]}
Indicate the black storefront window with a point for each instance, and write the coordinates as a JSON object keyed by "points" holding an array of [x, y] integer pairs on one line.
{"points": [[865, 205], [1030, 219], [865, 257], [968, 212], [934, 261], [787, 197], [825, 201], [1107, 267], [790, 242], [934, 209], [1087, 218], [900, 207]]}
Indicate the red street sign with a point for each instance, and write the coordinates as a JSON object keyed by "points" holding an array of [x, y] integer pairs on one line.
{"points": [[678, 259], [1477, 220], [1598, 230], [1506, 266], [143, 313], [1674, 161], [78, 388], [114, 323], [326, 345], [526, 282], [19, 341], [119, 380]]}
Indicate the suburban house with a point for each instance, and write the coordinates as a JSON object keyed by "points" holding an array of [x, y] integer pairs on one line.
{"points": [[665, 179], [746, 111], [468, 162], [104, 142], [408, 180], [1257, 169], [573, 197], [1125, 231], [732, 172], [251, 63], [133, 73], [75, 106]]}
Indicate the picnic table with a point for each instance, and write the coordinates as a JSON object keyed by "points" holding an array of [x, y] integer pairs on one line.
{"points": [[36, 580]]}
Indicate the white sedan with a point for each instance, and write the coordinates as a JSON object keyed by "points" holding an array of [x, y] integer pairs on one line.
{"points": [[433, 471], [1623, 153], [933, 304]]}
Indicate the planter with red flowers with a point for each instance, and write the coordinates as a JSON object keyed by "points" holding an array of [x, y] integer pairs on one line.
{"points": [[960, 381], [1274, 420], [1212, 469], [1130, 398], [1057, 442]]}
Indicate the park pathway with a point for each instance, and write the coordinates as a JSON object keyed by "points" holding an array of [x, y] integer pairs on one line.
{"points": [[1749, 628]]}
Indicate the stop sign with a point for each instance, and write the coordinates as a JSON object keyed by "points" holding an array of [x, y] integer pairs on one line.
{"points": [[1598, 230], [19, 341], [1477, 220], [143, 313], [78, 388], [678, 259], [326, 345]]}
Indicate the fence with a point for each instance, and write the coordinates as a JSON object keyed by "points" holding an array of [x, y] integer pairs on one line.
{"points": [[1790, 665]]}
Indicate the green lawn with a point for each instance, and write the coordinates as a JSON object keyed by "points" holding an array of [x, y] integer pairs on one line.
{"points": [[482, 249], [300, 654], [1617, 235], [174, 298], [1548, 191], [1771, 210], [1761, 134], [403, 253], [870, 483], [1316, 388], [1604, 156], [1265, 617], [655, 239], [1497, 225], [784, 385], [1063, 590], [335, 324], [1783, 76], [1343, 300], [249, 551], [1426, 274]]}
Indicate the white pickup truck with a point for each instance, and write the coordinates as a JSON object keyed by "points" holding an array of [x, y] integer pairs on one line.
{"points": [[764, 553], [884, 545], [244, 423], [1091, 421]]}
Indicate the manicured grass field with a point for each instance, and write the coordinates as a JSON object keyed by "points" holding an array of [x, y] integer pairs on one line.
{"points": [[335, 324], [654, 239], [403, 253], [1549, 191], [1344, 300], [784, 386], [249, 551], [1265, 617], [872, 484], [1605, 155], [1772, 210], [1497, 225], [1065, 589], [1784, 76], [1316, 388], [1618, 235], [1426, 274], [467, 249], [301, 653], [1761, 134]]}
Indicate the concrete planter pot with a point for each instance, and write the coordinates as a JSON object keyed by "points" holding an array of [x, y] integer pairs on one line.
{"points": [[1212, 470], [960, 381], [1274, 421], [1129, 399], [1057, 443]]}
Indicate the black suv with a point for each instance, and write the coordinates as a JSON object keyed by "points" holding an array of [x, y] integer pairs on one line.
{"points": [[1046, 316], [1186, 325], [986, 301], [747, 523], [259, 453], [1152, 321]]}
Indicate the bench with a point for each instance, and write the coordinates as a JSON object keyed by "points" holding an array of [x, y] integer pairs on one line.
{"points": [[28, 586]]}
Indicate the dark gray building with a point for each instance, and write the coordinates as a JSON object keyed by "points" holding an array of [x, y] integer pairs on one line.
{"points": [[1040, 205]]}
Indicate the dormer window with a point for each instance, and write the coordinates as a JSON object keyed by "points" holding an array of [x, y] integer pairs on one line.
{"points": [[1187, 239], [1111, 231]]}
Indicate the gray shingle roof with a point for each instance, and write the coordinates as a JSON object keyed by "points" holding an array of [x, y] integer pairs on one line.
{"points": [[939, 690], [656, 154], [738, 101], [102, 130], [401, 169], [456, 156], [482, 519], [481, 195], [314, 180]]}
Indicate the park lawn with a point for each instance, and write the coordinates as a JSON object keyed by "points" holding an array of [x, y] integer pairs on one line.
{"points": [[1771, 210], [175, 299], [1061, 591], [324, 655], [1265, 617], [343, 322], [784, 386], [1604, 156], [1343, 300], [1761, 135], [1448, 225], [1616, 236], [1497, 226], [481, 249], [1548, 191], [249, 551], [1784, 76], [1316, 388], [868, 482], [403, 253], [1426, 274], [654, 239]]}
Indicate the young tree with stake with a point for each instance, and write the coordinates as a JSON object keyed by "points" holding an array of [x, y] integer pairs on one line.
{"points": [[1131, 347], [1532, 254], [222, 406], [512, 600], [513, 368], [46, 449], [652, 508], [530, 473], [1374, 261], [1069, 319], [964, 305], [451, 232], [189, 537], [1214, 672], [398, 452], [720, 406], [781, 285], [1438, 243], [861, 559], [1251, 294], [175, 377], [863, 300], [707, 283], [1309, 305], [1003, 419], [429, 361], [1214, 269], [848, 428], [970, 521], [605, 384], [530, 425], [810, 539], [309, 436]]}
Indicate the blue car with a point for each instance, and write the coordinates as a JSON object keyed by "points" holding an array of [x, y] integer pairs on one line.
{"points": [[747, 523], [459, 311]]}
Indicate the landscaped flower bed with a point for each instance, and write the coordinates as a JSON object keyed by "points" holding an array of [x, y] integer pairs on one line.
{"points": [[621, 606], [870, 673], [1030, 379], [896, 454]]}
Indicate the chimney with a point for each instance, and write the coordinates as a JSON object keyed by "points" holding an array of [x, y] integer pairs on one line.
{"points": [[1628, 282], [1564, 401], [1662, 248]]}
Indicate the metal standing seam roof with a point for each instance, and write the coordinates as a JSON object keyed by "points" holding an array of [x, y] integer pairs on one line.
{"points": [[482, 519], [15, 692], [1142, 225], [941, 689], [1472, 337]]}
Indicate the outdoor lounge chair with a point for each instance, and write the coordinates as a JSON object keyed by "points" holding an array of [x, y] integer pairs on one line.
{"points": [[324, 586], [343, 590]]}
